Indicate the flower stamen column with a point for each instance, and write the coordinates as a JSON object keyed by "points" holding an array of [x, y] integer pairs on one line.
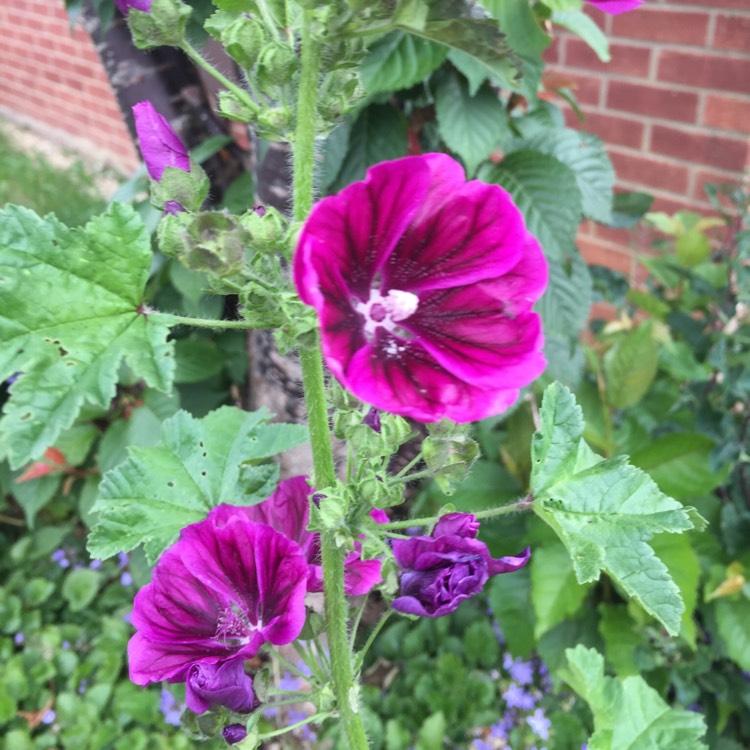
{"points": [[317, 414]]}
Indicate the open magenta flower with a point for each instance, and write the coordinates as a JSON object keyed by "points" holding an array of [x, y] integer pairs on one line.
{"points": [[126, 6], [424, 285], [440, 571], [160, 145], [614, 7], [224, 684], [218, 593], [288, 511]]}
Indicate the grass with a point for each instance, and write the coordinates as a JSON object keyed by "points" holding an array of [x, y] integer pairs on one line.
{"points": [[27, 178]]}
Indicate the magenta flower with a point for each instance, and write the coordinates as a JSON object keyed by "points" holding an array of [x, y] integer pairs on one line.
{"points": [[125, 6], [440, 571], [288, 511], [615, 7], [160, 145], [224, 684], [218, 593], [424, 285]]}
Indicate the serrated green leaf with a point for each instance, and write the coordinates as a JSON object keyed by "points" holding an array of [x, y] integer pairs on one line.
{"points": [[585, 28], [587, 157], [629, 714], [630, 366], [465, 26], [398, 61], [474, 72], [198, 465], [471, 126], [555, 592], [680, 464], [518, 21], [378, 134], [547, 193], [604, 511], [732, 618], [566, 304], [621, 638], [69, 332]]}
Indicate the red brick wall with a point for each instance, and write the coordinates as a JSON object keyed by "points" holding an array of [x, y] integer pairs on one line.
{"points": [[673, 105], [51, 78]]}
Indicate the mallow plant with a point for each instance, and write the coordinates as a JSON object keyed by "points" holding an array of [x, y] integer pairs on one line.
{"points": [[414, 295]]}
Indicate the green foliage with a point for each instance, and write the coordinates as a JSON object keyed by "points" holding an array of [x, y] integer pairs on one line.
{"points": [[629, 714], [198, 465], [69, 349]]}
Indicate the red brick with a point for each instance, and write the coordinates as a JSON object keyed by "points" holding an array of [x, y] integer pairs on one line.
{"points": [[662, 26], [727, 112], [652, 101], [712, 150], [707, 176], [732, 32], [711, 4], [650, 171], [627, 59], [704, 71], [600, 253], [620, 131], [587, 89], [552, 54]]}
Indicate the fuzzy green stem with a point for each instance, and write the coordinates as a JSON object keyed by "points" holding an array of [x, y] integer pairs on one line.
{"points": [[207, 322], [371, 638], [332, 556], [238, 91], [317, 718], [525, 503]]}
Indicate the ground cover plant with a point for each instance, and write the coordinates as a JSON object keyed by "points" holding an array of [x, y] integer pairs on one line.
{"points": [[166, 587]]}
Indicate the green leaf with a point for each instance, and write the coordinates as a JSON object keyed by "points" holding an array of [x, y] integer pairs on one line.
{"points": [[629, 208], [629, 714], [464, 25], [518, 21], [566, 304], [80, 587], [630, 366], [84, 317], [555, 592], [680, 463], [585, 28], [510, 601], [471, 126], [196, 359], [604, 511], [398, 61], [378, 134], [474, 72], [547, 193], [587, 157], [692, 248], [732, 617], [332, 153], [199, 464], [621, 638], [432, 732]]}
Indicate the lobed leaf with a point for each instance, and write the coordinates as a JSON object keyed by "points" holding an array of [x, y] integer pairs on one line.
{"points": [[199, 464], [604, 511], [85, 316]]}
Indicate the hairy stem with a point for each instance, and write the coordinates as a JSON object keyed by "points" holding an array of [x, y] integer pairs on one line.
{"points": [[332, 556]]}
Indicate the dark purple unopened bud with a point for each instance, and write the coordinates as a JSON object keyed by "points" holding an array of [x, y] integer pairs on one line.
{"points": [[260, 211], [160, 145], [234, 733], [440, 571], [126, 6], [224, 684], [372, 419]]}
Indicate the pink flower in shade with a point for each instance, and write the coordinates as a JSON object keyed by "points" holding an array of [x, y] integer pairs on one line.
{"points": [[126, 6], [439, 571], [615, 7], [287, 511], [424, 285], [216, 595], [160, 145]]}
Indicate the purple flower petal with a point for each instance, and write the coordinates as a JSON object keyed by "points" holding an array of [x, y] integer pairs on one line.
{"points": [[458, 524], [424, 285], [218, 593], [126, 5], [160, 145], [224, 684], [614, 7], [234, 733]]}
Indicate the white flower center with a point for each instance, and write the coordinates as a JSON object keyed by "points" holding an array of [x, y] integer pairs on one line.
{"points": [[386, 311]]}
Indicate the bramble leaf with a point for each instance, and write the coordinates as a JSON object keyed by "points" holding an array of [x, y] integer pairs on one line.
{"points": [[605, 511], [628, 713], [199, 464], [85, 316]]}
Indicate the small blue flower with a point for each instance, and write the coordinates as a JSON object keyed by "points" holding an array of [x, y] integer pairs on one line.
{"points": [[59, 557], [95, 564], [19, 638], [65, 645], [169, 707], [289, 682], [82, 686], [123, 559], [539, 724], [521, 671], [126, 579], [516, 697], [49, 717]]}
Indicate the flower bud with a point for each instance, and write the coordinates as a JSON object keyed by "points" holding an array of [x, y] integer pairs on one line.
{"points": [[274, 123], [224, 684], [234, 109], [243, 40], [277, 64], [234, 733], [163, 25], [267, 229], [450, 457]]}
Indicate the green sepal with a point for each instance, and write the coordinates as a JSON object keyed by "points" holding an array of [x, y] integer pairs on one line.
{"points": [[163, 25], [449, 452], [189, 189], [231, 107]]}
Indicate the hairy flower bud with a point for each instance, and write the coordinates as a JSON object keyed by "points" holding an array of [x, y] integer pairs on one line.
{"points": [[163, 25], [277, 64], [243, 40]]}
